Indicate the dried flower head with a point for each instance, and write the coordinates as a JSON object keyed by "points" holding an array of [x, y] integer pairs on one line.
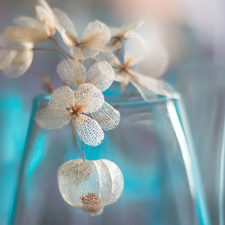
{"points": [[66, 104], [90, 185], [135, 49], [95, 37], [15, 63], [101, 75], [120, 34]]}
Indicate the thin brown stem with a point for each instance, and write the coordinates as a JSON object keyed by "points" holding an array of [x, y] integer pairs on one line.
{"points": [[72, 126], [50, 49], [47, 84], [83, 154], [60, 47]]}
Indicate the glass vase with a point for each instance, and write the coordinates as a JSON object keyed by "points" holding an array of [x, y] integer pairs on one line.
{"points": [[152, 147]]}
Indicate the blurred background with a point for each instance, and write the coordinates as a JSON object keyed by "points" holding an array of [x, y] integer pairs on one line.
{"points": [[189, 38]]}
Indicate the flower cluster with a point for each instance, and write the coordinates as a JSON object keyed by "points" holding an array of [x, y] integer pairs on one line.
{"points": [[81, 99]]}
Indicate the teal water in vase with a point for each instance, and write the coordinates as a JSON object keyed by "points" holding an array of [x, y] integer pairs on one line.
{"points": [[153, 148]]}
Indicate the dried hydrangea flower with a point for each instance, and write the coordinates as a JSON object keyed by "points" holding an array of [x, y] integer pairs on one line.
{"points": [[66, 104], [119, 34], [101, 75], [36, 30], [15, 63], [90, 185], [135, 49], [95, 37]]}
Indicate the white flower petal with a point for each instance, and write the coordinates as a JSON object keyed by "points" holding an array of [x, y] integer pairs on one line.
{"points": [[108, 57], [45, 14], [72, 73], [30, 22], [85, 52], [149, 88], [24, 34], [131, 26], [51, 118], [96, 35], [135, 49], [101, 75], [62, 98], [19, 65], [107, 117], [6, 58], [65, 27], [90, 97], [89, 130], [8, 44]]}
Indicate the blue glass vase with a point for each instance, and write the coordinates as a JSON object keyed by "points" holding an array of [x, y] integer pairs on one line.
{"points": [[152, 147]]}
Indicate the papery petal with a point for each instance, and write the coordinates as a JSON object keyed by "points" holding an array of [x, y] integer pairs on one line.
{"points": [[90, 97], [85, 52], [19, 65], [45, 14], [112, 45], [155, 63], [6, 58], [101, 75], [24, 34], [51, 118], [108, 57], [72, 73], [62, 98], [8, 44], [96, 35], [107, 117], [89, 130], [120, 76], [135, 49], [30, 22], [131, 26], [65, 27], [149, 88]]}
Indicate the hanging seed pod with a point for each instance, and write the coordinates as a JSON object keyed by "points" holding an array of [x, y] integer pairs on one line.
{"points": [[90, 185]]}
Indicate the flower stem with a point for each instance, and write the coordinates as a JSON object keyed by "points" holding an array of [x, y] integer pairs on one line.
{"points": [[83, 154], [50, 49], [60, 47], [72, 125]]}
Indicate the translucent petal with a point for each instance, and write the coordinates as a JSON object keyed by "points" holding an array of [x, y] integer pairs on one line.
{"points": [[107, 117], [108, 57], [117, 180], [89, 130], [155, 63], [135, 49], [85, 52], [65, 27], [89, 98], [96, 35], [6, 58], [72, 73], [149, 88], [51, 118], [8, 44], [19, 65], [24, 34], [45, 14], [101, 75], [62, 98], [112, 45], [30, 22], [131, 26]]}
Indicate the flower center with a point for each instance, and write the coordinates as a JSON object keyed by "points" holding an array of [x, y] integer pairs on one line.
{"points": [[91, 202], [76, 109]]}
